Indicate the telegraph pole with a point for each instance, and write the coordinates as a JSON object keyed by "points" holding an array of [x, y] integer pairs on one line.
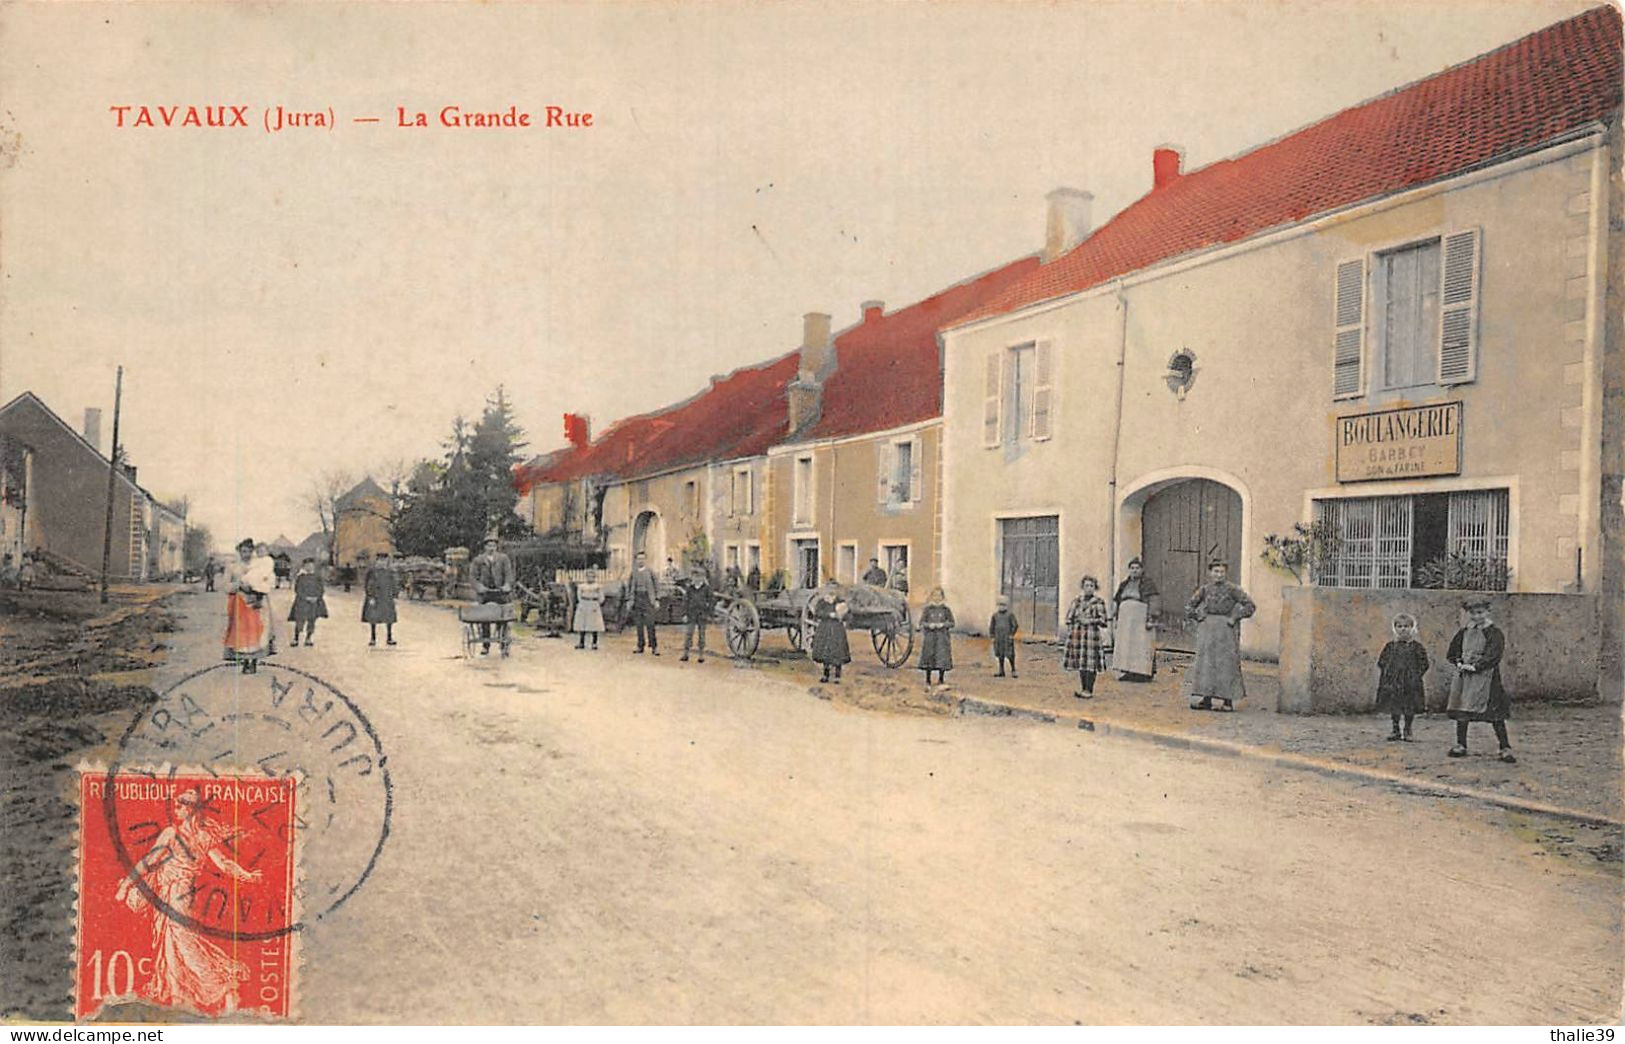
{"points": [[112, 477]]}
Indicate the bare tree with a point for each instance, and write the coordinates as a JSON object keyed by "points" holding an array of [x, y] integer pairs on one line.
{"points": [[321, 498]]}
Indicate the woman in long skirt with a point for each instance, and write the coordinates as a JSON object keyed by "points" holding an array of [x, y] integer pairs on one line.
{"points": [[589, 613], [1085, 650], [1134, 611], [247, 635], [829, 645], [936, 640], [1218, 607]]}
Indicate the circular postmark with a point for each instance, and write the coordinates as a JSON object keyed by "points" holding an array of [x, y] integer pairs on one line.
{"points": [[281, 725]]}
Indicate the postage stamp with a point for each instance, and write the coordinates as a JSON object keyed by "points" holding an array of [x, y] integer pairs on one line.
{"points": [[186, 890]]}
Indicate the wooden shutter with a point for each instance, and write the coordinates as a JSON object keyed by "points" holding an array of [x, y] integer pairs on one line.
{"points": [[1458, 308], [990, 400], [914, 470], [1043, 396], [1348, 340], [883, 457]]}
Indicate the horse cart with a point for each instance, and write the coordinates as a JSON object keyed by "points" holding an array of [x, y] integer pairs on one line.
{"points": [[744, 615]]}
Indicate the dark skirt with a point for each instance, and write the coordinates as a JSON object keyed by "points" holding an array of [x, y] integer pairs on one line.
{"points": [[936, 651], [1004, 645], [379, 611], [1400, 693], [829, 645], [304, 610]]}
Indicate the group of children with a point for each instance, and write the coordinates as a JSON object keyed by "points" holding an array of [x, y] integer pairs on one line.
{"points": [[1476, 692]]}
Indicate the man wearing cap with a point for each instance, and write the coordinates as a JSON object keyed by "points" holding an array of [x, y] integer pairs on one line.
{"points": [[493, 582], [874, 576], [697, 600], [645, 592]]}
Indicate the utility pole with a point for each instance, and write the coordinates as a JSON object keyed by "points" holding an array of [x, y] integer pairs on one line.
{"points": [[112, 477]]}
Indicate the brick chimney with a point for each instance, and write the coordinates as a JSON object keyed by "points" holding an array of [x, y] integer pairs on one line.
{"points": [[578, 429], [872, 310], [1068, 224], [817, 360], [93, 427], [1167, 162]]}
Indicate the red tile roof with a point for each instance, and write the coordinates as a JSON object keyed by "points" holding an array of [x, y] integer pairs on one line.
{"points": [[739, 415], [1510, 100], [888, 370]]}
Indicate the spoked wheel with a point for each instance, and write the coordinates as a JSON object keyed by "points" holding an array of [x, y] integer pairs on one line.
{"points": [[471, 638], [806, 629], [506, 637], [742, 627], [894, 641]]}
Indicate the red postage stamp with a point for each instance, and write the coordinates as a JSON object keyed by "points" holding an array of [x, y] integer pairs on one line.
{"points": [[186, 892]]}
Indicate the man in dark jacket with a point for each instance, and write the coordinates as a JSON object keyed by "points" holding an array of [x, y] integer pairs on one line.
{"points": [[493, 582], [874, 576], [697, 601], [645, 597]]}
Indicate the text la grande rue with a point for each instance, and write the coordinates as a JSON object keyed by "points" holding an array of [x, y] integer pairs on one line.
{"points": [[456, 116]]}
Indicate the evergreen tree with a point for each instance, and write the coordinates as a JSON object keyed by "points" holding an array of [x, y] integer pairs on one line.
{"points": [[456, 502]]}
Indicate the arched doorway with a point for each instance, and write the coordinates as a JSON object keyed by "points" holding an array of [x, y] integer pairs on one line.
{"points": [[1184, 525], [649, 538]]}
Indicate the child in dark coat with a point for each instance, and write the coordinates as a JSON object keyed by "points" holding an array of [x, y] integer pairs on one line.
{"points": [[1003, 629], [1476, 693], [1399, 688], [309, 602], [936, 640]]}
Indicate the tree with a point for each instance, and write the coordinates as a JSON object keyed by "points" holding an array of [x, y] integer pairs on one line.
{"points": [[321, 497], [1304, 552], [455, 503], [196, 548]]}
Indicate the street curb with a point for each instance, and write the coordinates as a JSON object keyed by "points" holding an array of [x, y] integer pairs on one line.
{"points": [[973, 706]]}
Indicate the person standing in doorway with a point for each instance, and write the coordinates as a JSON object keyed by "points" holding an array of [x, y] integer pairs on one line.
{"points": [[645, 592], [1218, 607], [493, 583], [874, 576], [1134, 621], [380, 588], [1085, 645]]}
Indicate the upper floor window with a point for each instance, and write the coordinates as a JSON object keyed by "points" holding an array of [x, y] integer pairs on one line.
{"points": [[1407, 318], [898, 475], [742, 499], [803, 490], [1018, 400]]}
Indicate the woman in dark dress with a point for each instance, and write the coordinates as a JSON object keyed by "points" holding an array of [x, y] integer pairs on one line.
{"points": [[829, 646], [1218, 607], [936, 640], [379, 607], [1402, 664]]}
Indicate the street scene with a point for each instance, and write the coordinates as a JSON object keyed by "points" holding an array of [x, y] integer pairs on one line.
{"points": [[541, 600]]}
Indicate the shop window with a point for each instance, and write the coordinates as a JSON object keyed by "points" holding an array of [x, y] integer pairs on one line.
{"points": [[1429, 539]]}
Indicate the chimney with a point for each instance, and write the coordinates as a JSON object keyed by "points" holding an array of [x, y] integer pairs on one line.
{"points": [[129, 471], [817, 359], [578, 429], [873, 310], [1166, 164], [1069, 221], [93, 427]]}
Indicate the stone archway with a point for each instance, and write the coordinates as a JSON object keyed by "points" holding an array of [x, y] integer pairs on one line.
{"points": [[649, 538], [1177, 523]]}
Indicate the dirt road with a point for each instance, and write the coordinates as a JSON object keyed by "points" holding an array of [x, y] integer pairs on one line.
{"points": [[585, 837]]}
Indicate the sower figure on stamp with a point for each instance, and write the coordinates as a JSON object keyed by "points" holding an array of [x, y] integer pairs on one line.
{"points": [[493, 582], [246, 630], [697, 601], [645, 592], [1218, 607], [829, 645], [188, 969], [381, 588], [309, 602]]}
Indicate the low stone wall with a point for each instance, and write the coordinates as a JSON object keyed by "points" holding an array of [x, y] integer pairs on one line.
{"points": [[1331, 637]]}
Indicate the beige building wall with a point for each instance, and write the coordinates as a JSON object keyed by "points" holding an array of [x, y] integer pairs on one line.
{"points": [[559, 509], [1259, 415], [662, 513], [737, 512], [847, 510], [362, 529]]}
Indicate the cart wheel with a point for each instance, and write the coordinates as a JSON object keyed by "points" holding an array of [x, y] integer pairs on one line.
{"points": [[895, 641], [507, 637], [742, 627], [471, 638]]}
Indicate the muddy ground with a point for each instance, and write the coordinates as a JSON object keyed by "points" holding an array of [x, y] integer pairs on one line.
{"points": [[72, 674]]}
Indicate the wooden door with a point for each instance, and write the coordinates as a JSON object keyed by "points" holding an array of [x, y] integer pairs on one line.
{"points": [[1183, 527], [1030, 571]]}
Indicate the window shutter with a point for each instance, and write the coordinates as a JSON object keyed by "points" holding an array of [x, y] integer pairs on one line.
{"points": [[1458, 308], [1044, 364], [990, 401], [914, 470], [1348, 341], [883, 457]]}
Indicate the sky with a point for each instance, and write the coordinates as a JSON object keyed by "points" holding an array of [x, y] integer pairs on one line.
{"points": [[328, 299]]}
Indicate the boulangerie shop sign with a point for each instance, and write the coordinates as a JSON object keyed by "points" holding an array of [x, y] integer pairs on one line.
{"points": [[1408, 442]]}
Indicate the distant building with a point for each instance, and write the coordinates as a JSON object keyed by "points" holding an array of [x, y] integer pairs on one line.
{"points": [[361, 523]]}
